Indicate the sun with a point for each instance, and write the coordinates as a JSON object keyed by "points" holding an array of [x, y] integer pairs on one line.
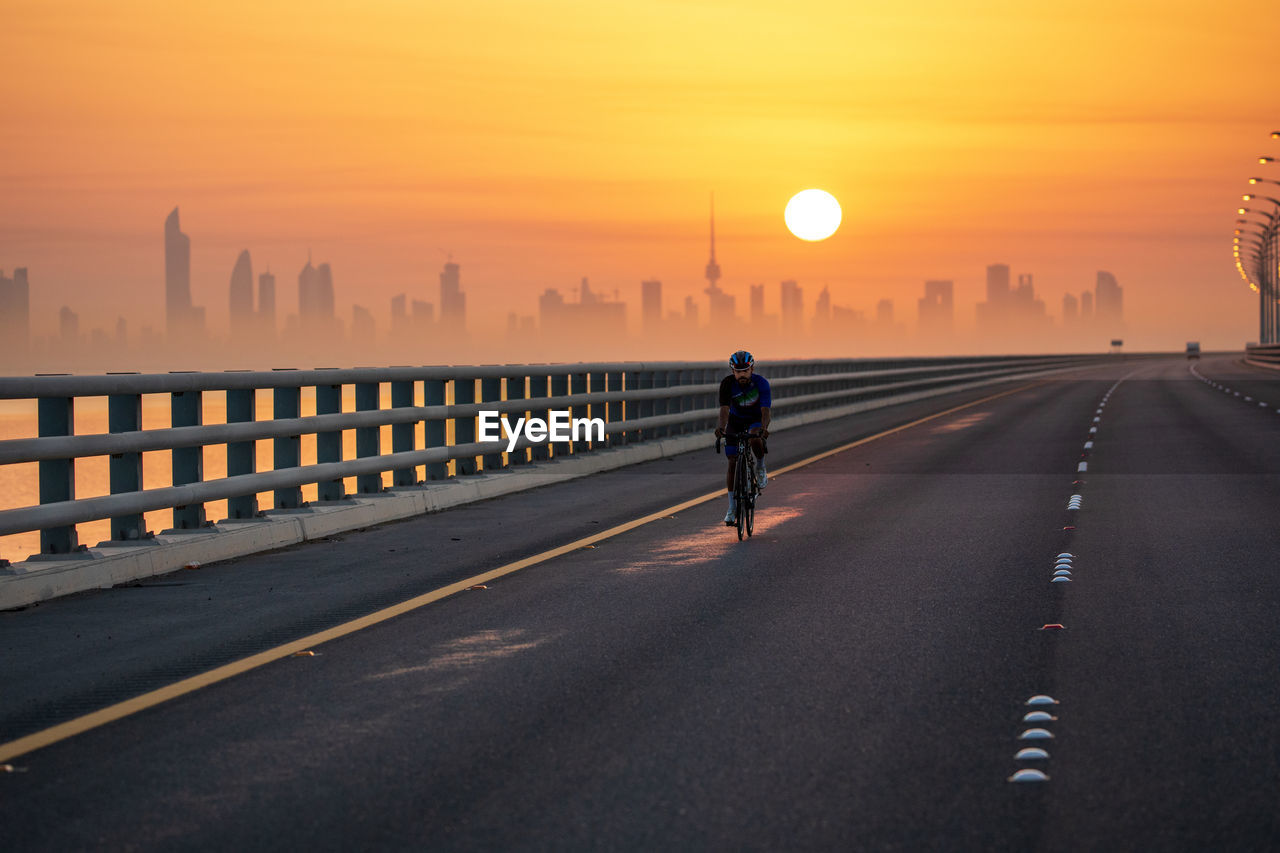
{"points": [[812, 215]]}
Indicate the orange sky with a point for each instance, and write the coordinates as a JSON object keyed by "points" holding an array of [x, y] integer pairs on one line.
{"points": [[543, 142]]}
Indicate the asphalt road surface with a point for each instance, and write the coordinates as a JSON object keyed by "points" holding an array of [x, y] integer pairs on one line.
{"points": [[853, 677]]}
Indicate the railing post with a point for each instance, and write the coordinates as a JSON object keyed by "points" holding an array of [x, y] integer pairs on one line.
{"points": [[329, 443], [241, 455], [581, 384], [434, 431], [286, 403], [402, 435], [188, 462], [709, 401], [56, 416], [599, 382], [641, 408], [368, 439], [559, 388], [124, 414], [516, 391], [682, 403], [661, 405], [491, 392], [542, 385], [464, 426]]}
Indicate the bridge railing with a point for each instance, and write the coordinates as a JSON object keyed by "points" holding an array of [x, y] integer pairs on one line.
{"points": [[637, 402]]}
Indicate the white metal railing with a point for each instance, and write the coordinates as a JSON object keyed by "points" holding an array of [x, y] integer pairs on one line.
{"points": [[637, 401]]}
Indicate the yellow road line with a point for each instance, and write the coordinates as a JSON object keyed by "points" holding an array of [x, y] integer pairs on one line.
{"points": [[111, 713]]}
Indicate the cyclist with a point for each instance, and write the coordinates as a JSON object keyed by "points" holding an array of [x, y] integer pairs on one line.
{"points": [[744, 407]]}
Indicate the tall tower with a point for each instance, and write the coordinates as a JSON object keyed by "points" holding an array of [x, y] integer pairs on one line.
{"points": [[453, 302], [177, 279], [651, 305], [15, 309], [721, 308], [240, 297], [713, 268], [267, 303]]}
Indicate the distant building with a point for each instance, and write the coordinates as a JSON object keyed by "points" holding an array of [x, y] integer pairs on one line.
{"points": [[1109, 301], [182, 319], [240, 297], [453, 302], [651, 306], [267, 304], [1086, 306], [721, 307], [1070, 310], [68, 327], [822, 308], [363, 329], [935, 311], [316, 299], [757, 304], [15, 310], [792, 308], [592, 318]]}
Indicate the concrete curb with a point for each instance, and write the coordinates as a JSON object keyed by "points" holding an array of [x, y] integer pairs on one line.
{"points": [[105, 566]]}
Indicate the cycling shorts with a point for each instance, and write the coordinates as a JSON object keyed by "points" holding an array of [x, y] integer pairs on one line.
{"points": [[736, 426]]}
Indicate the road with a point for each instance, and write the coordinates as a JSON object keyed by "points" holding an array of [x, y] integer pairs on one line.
{"points": [[854, 677]]}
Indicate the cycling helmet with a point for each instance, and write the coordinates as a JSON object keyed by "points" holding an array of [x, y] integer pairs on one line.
{"points": [[741, 360]]}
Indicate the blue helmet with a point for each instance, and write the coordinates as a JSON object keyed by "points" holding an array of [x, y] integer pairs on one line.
{"points": [[741, 360]]}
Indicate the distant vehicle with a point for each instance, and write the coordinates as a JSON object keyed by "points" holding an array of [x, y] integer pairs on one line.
{"points": [[1193, 349]]}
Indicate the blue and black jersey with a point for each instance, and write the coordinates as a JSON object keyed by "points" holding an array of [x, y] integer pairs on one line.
{"points": [[746, 401]]}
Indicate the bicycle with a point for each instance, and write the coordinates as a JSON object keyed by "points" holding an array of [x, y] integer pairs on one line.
{"points": [[745, 486]]}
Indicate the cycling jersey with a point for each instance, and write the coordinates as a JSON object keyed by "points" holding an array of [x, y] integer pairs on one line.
{"points": [[746, 401]]}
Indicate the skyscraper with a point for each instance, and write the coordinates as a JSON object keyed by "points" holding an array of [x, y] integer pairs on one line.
{"points": [[757, 305], [15, 309], [998, 284], [315, 296], [936, 309], [651, 305], [177, 280], [1108, 302], [792, 308], [453, 302], [240, 297], [267, 303]]}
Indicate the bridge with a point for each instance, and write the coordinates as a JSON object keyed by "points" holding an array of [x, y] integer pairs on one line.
{"points": [[1016, 605]]}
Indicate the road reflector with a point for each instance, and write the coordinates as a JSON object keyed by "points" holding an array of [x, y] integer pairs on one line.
{"points": [[1036, 734], [1031, 753], [1040, 699], [1054, 626], [1029, 776]]}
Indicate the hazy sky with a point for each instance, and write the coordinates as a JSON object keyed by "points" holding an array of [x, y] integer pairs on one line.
{"points": [[540, 142]]}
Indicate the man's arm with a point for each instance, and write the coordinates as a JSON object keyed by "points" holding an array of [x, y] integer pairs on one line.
{"points": [[764, 421], [724, 421]]}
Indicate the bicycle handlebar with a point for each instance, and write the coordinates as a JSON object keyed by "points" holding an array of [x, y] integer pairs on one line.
{"points": [[734, 436]]}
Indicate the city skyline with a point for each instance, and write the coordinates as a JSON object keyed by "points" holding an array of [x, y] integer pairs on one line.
{"points": [[571, 140], [1009, 320]]}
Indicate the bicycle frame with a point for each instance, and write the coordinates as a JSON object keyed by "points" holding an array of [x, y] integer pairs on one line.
{"points": [[745, 487]]}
